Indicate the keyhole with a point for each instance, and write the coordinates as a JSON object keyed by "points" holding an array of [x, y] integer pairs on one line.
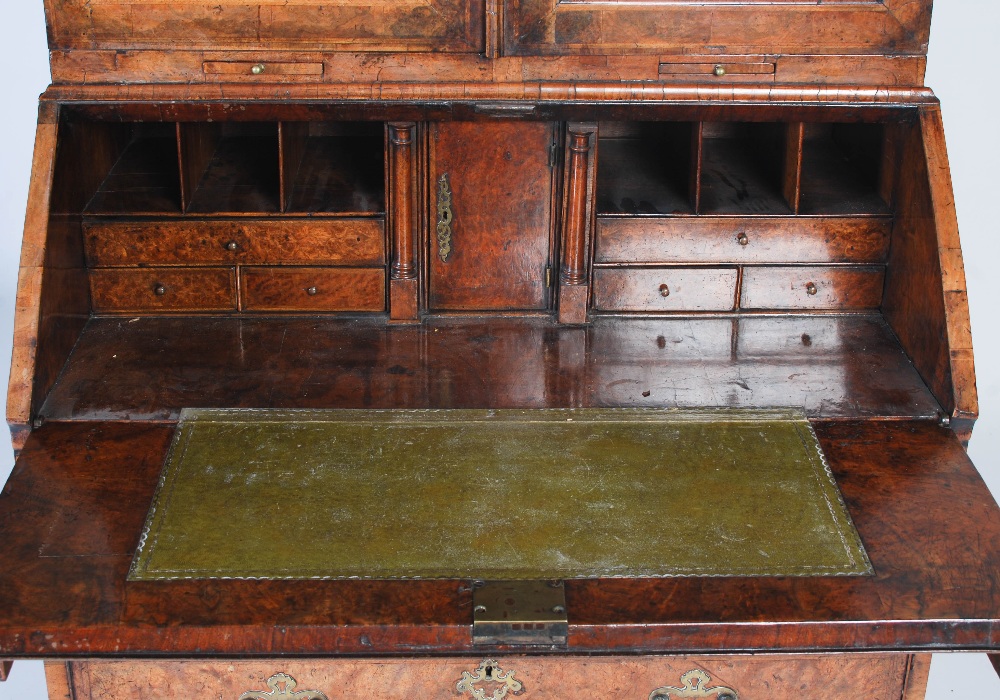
{"points": [[489, 672]]}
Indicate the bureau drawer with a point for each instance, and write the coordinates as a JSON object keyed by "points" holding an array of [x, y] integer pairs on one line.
{"points": [[334, 242], [805, 287], [312, 289], [742, 240], [775, 677], [664, 289], [163, 289]]}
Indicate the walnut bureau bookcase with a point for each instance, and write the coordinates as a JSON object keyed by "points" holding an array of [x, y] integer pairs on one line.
{"points": [[496, 208]]}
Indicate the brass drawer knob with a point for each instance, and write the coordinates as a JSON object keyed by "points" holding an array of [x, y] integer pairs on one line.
{"points": [[312, 291], [257, 69], [811, 289], [742, 238], [159, 290], [720, 70], [232, 245], [664, 290]]}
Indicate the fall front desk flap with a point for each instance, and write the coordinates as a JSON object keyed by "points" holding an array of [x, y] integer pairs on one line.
{"points": [[496, 494]]}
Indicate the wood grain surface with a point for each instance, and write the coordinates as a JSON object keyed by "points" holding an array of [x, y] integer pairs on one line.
{"points": [[124, 243], [869, 676], [843, 366], [312, 289]]}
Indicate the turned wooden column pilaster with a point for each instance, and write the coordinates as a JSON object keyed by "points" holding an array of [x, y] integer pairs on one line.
{"points": [[574, 276], [403, 269]]}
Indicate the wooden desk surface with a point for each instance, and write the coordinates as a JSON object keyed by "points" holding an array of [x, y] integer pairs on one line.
{"points": [[75, 504]]}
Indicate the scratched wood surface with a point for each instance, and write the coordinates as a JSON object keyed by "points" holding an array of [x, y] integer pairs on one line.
{"points": [[150, 368]]}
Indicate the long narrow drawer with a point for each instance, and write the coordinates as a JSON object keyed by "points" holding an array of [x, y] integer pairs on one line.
{"points": [[185, 242], [805, 287], [774, 677], [163, 289], [707, 240], [664, 289], [312, 289]]}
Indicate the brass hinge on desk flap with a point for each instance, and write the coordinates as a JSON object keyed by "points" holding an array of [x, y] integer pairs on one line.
{"points": [[519, 612]]}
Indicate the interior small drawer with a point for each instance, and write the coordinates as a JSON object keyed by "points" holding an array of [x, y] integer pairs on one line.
{"points": [[163, 289], [742, 240], [664, 289], [335, 242], [812, 287], [312, 289]]}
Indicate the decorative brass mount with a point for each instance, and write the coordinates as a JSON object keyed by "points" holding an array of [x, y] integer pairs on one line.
{"points": [[445, 217], [694, 686], [283, 688], [489, 671]]}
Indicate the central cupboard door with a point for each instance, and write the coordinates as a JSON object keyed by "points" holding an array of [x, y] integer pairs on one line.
{"points": [[491, 213]]}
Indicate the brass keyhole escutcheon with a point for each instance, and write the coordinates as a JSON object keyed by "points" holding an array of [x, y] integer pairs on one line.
{"points": [[258, 69], [159, 290], [811, 289], [742, 238], [664, 290]]}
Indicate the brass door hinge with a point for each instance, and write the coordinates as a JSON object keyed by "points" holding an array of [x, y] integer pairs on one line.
{"points": [[519, 613]]}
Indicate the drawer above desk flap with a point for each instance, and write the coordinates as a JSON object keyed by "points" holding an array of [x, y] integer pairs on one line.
{"points": [[75, 505]]}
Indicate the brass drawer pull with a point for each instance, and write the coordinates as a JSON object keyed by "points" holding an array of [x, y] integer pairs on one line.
{"points": [[258, 69], [312, 291], [283, 688], [719, 70], [742, 238], [694, 684], [664, 290], [159, 290], [232, 245], [811, 289]]}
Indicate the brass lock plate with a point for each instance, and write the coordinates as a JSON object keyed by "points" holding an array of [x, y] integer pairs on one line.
{"points": [[519, 613]]}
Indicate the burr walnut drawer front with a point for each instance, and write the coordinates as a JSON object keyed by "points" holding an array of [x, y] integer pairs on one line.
{"points": [[289, 242], [872, 677], [664, 289], [812, 287], [707, 240], [163, 289], [312, 289]]}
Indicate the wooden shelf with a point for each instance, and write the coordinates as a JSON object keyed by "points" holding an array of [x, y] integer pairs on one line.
{"points": [[644, 168], [144, 180], [230, 168], [332, 168], [840, 170], [741, 171]]}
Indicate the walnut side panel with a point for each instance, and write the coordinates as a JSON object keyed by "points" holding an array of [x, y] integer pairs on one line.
{"points": [[52, 300], [925, 294]]}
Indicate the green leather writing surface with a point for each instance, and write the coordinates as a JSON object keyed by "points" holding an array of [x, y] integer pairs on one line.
{"points": [[504, 494]]}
